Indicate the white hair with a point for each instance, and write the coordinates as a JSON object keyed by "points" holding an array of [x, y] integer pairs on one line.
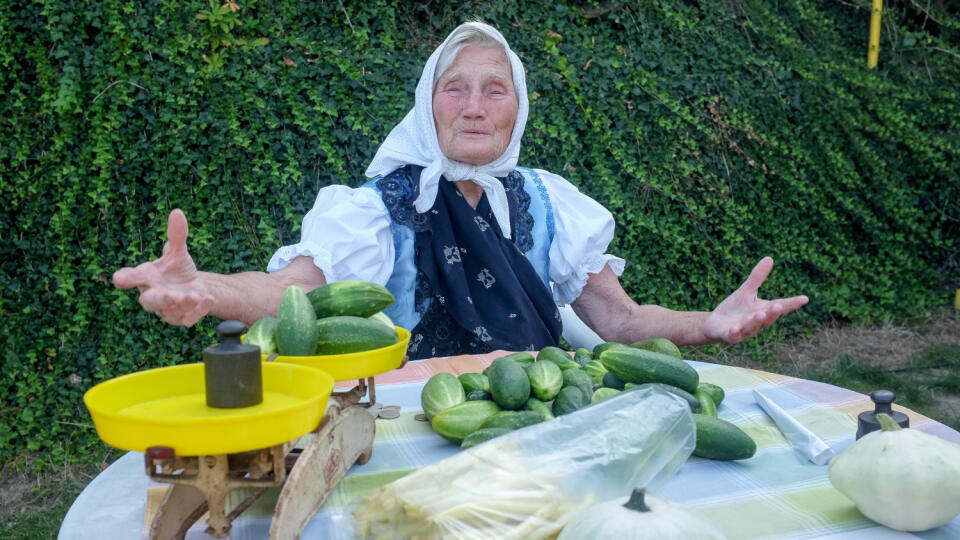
{"points": [[469, 33]]}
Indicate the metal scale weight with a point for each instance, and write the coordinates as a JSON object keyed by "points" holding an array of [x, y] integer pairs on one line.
{"points": [[234, 422]]}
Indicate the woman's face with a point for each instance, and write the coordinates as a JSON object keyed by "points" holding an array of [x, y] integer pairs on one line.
{"points": [[475, 106]]}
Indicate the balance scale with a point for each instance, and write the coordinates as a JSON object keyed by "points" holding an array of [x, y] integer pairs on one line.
{"points": [[207, 452]]}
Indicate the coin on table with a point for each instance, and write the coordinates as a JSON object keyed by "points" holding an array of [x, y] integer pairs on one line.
{"points": [[390, 412], [374, 409]]}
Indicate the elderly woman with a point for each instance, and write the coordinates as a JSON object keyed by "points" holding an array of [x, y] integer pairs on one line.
{"points": [[477, 251]]}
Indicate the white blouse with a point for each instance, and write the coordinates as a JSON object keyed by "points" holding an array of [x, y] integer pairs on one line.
{"points": [[347, 233]]}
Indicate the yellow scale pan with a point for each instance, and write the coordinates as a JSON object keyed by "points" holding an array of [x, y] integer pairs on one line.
{"points": [[167, 406]]}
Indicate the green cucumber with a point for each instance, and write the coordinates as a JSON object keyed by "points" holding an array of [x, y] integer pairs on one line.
{"points": [[382, 318], [348, 334], [534, 404], [715, 392], [660, 345], [441, 392], [610, 380], [558, 356], [721, 440], [296, 324], [479, 395], [525, 360], [263, 334], [642, 366], [455, 423], [579, 379], [509, 384], [520, 357], [601, 394], [474, 381], [707, 406], [546, 380], [600, 348], [692, 401], [513, 419], [481, 436], [582, 357], [349, 297], [568, 400], [595, 370]]}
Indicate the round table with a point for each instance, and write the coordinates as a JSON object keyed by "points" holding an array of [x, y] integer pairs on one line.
{"points": [[775, 494]]}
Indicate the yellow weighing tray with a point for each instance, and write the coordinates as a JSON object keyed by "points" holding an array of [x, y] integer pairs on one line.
{"points": [[167, 407], [358, 365]]}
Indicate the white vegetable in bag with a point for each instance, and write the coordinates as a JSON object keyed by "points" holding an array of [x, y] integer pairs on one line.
{"points": [[640, 517], [529, 483]]}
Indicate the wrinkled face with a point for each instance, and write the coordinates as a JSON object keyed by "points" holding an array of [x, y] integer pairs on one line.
{"points": [[475, 106]]}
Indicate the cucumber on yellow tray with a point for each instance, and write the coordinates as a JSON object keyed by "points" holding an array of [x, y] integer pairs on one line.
{"points": [[349, 297], [296, 324], [264, 334], [353, 344], [338, 318], [346, 334]]}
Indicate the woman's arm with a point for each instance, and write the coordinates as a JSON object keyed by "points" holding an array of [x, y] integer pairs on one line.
{"points": [[178, 293], [604, 306]]}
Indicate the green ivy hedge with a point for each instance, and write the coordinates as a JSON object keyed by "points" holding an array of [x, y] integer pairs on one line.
{"points": [[716, 132]]}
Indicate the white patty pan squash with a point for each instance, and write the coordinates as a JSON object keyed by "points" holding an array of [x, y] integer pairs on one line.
{"points": [[639, 517], [902, 478]]}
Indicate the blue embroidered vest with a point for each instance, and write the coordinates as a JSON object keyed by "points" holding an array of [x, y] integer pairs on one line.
{"points": [[532, 231]]}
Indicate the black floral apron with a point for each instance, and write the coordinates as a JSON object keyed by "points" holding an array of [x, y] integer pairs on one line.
{"points": [[476, 291]]}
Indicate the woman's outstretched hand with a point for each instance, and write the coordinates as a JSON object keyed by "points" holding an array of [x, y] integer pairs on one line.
{"points": [[170, 286], [743, 314]]}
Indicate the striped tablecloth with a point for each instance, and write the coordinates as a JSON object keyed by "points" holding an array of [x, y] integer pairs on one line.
{"points": [[774, 494]]}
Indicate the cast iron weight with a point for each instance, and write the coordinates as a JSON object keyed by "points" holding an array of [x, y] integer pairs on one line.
{"points": [[867, 420], [231, 370]]}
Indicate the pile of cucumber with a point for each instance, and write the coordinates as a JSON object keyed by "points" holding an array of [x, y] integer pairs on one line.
{"points": [[338, 318], [517, 390]]}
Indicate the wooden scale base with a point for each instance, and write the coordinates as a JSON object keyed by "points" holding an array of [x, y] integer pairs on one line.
{"points": [[202, 484]]}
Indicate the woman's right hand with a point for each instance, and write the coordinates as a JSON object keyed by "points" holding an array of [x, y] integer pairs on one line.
{"points": [[170, 286]]}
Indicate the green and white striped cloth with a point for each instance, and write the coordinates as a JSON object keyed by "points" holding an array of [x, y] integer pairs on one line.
{"points": [[776, 494]]}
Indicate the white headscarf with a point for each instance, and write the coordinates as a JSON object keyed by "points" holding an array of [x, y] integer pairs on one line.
{"points": [[414, 141]]}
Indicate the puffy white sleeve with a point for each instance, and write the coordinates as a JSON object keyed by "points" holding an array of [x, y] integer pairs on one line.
{"points": [[347, 233], [584, 229]]}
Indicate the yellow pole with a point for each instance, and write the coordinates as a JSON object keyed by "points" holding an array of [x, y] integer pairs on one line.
{"points": [[874, 49], [956, 303]]}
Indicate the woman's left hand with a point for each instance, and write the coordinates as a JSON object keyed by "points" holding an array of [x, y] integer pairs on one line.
{"points": [[743, 314]]}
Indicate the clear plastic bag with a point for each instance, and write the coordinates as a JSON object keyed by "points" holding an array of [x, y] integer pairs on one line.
{"points": [[528, 483]]}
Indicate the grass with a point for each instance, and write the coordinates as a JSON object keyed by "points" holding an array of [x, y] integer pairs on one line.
{"points": [[33, 506], [42, 521], [929, 384], [35, 493], [919, 360]]}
